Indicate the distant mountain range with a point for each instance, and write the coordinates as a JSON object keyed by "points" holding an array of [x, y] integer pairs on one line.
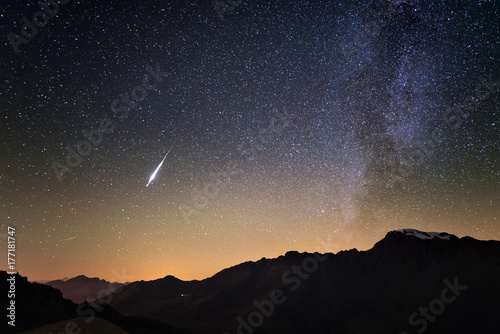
{"points": [[81, 288], [48, 280], [409, 282]]}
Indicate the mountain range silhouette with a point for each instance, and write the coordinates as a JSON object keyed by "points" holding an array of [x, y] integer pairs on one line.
{"points": [[409, 282]]}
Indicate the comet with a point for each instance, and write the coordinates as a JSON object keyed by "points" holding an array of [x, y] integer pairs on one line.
{"points": [[152, 177]]}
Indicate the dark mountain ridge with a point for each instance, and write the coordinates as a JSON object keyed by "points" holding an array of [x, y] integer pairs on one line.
{"points": [[373, 291]]}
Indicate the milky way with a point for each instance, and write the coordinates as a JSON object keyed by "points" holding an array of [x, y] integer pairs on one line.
{"points": [[296, 122]]}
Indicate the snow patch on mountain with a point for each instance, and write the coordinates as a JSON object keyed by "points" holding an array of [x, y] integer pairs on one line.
{"points": [[424, 235]]}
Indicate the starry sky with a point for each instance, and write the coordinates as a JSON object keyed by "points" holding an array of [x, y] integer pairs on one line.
{"points": [[295, 125]]}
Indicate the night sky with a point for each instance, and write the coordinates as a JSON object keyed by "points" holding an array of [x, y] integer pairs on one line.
{"points": [[295, 125]]}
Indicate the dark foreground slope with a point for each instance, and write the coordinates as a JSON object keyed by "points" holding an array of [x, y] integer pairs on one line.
{"points": [[406, 282], [35, 304]]}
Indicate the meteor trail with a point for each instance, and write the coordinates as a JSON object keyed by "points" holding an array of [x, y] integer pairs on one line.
{"points": [[152, 177]]}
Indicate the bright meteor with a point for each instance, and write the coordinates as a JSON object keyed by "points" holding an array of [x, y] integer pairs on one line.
{"points": [[152, 177]]}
